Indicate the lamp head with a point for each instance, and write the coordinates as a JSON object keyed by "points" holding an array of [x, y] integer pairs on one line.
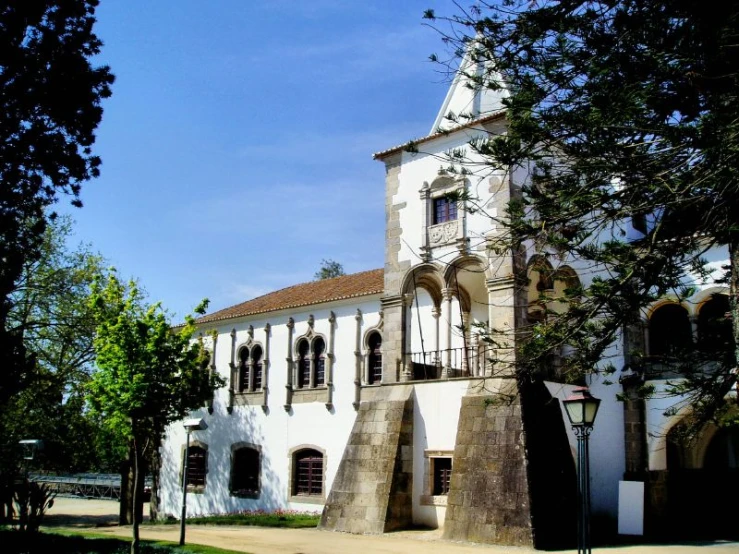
{"points": [[195, 424], [581, 407]]}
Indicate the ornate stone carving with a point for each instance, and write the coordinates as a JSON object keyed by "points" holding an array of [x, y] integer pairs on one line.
{"points": [[443, 232]]}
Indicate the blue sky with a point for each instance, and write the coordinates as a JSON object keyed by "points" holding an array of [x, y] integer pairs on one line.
{"points": [[237, 147]]}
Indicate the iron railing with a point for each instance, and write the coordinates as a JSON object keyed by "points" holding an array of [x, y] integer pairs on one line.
{"points": [[472, 361]]}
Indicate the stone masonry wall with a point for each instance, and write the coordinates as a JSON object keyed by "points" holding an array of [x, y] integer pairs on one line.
{"points": [[488, 499], [371, 493]]}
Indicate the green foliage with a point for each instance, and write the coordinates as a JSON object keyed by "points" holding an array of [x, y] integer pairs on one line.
{"points": [[51, 311], [31, 501], [329, 270], [146, 371], [280, 518], [622, 112], [92, 543], [50, 100]]}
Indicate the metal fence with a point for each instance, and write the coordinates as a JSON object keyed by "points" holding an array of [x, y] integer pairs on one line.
{"points": [[86, 485]]}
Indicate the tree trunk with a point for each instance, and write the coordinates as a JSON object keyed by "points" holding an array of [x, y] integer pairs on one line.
{"points": [[155, 465], [136, 496], [734, 293], [125, 516]]}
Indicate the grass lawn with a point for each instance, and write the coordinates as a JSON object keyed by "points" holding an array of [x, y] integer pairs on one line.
{"points": [[73, 542], [280, 518]]}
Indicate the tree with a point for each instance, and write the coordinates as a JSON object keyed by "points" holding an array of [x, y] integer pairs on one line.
{"points": [[147, 373], [50, 106], [329, 270], [625, 114], [50, 311]]}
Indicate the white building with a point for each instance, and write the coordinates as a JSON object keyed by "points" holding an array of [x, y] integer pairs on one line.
{"points": [[373, 398]]}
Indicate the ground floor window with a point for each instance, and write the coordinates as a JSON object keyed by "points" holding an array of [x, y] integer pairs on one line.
{"points": [[197, 466], [308, 473], [245, 469], [442, 470]]}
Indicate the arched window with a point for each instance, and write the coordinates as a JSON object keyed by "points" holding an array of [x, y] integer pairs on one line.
{"points": [[197, 465], [307, 473], [669, 331], [243, 370], [245, 469], [256, 361], [374, 360], [303, 364], [319, 359], [714, 325]]}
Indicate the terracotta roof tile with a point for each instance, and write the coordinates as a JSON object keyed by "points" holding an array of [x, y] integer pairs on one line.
{"points": [[306, 294]]}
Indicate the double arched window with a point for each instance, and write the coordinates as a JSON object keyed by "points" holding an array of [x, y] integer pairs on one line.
{"points": [[250, 369], [311, 363]]}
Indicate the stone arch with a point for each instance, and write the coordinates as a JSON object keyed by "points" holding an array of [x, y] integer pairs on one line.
{"points": [[372, 356], [426, 276], [669, 329], [540, 284]]}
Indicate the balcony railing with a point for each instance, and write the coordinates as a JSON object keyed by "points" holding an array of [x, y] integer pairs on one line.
{"points": [[472, 361]]}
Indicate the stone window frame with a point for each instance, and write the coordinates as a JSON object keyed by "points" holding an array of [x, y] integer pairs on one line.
{"points": [[305, 499], [428, 498], [239, 493], [199, 489], [250, 386], [445, 233], [366, 369], [311, 339]]}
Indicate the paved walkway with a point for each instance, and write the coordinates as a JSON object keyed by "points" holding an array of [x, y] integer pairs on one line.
{"points": [[76, 513]]}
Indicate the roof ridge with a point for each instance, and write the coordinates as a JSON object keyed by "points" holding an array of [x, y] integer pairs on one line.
{"points": [[291, 297]]}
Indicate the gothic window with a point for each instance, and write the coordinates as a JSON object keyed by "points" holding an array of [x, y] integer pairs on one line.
{"points": [[245, 469], [256, 364], [669, 330], [311, 363], [374, 360], [303, 364], [307, 473], [442, 471], [243, 382], [319, 361], [445, 210]]}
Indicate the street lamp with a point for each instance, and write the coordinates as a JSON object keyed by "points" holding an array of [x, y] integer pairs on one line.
{"points": [[581, 409], [190, 426]]}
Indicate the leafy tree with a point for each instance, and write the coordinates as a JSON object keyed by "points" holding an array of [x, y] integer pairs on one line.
{"points": [[50, 311], [50, 106], [625, 114], [329, 270], [148, 374]]}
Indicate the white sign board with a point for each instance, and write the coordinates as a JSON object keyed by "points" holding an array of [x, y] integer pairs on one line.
{"points": [[630, 508]]}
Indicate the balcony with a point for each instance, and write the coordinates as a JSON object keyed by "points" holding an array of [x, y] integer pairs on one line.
{"points": [[472, 361]]}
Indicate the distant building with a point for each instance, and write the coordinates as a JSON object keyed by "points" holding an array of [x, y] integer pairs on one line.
{"points": [[374, 397]]}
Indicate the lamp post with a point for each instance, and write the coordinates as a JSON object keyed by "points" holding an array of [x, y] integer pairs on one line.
{"points": [[190, 426], [581, 409]]}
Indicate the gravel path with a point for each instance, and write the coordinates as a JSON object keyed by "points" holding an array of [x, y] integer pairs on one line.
{"points": [[102, 514]]}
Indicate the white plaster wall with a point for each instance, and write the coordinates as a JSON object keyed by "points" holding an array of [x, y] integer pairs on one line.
{"points": [[435, 418], [276, 431], [420, 167], [607, 455]]}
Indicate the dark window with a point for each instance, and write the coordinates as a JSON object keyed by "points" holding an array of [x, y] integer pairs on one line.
{"points": [[669, 331], [444, 210], [308, 473], [243, 369], [714, 325], [196, 466], [319, 359], [303, 365], [245, 471], [442, 475], [256, 359], [375, 358]]}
